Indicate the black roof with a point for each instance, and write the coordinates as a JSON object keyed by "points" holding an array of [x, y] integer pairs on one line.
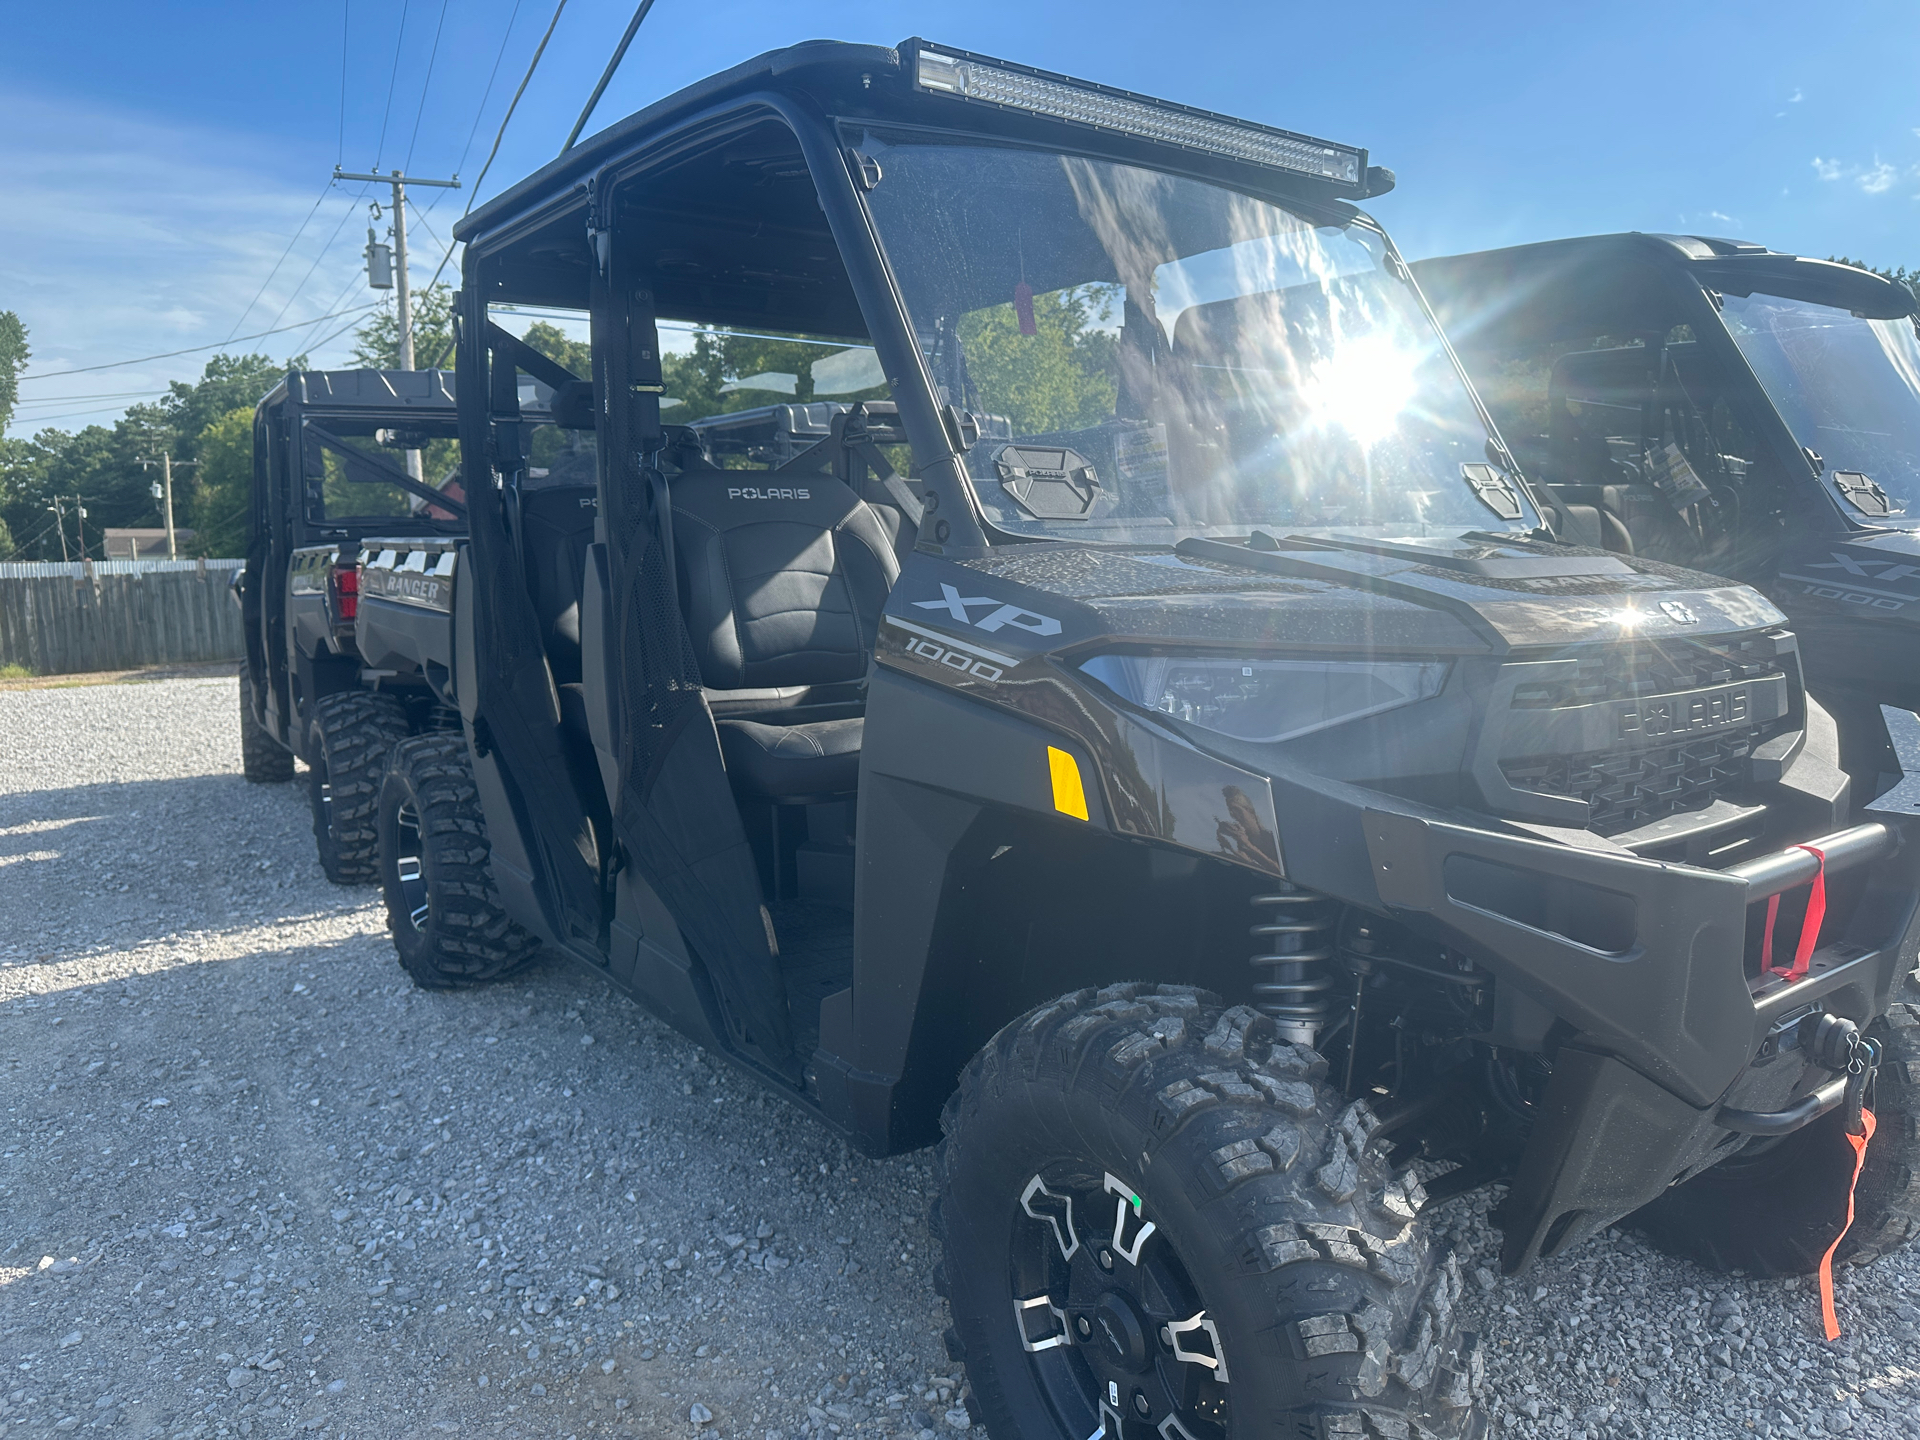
{"points": [[1486, 293], [870, 81], [812, 64], [347, 390]]}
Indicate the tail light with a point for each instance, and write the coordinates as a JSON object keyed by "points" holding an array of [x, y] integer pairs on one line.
{"points": [[343, 588]]}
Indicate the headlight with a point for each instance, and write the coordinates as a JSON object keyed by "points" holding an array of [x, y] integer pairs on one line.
{"points": [[1266, 700]]}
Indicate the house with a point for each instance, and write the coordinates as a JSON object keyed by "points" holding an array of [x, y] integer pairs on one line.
{"points": [[144, 544]]}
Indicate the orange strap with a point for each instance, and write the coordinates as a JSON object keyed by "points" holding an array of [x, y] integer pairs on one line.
{"points": [[1809, 926], [1859, 1143]]}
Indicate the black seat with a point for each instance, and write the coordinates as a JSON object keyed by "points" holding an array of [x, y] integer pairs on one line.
{"points": [[811, 760], [782, 580], [558, 525]]}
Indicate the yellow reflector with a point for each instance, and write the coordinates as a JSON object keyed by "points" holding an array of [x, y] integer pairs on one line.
{"points": [[1068, 796]]}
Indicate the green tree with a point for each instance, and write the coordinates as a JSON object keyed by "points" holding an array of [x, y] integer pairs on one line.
{"points": [[376, 344], [225, 384], [102, 464], [1061, 377], [551, 341], [698, 379], [13, 360], [217, 508]]}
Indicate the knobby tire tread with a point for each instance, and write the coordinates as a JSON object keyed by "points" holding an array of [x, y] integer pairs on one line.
{"points": [[1311, 1220], [357, 730], [263, 760], [469, 939]]}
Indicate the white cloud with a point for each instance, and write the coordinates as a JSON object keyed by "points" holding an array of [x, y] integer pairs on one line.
{"points": [[1874, 179], [1879, 179], [124, 236], [1795, 97], [1725, 219]]}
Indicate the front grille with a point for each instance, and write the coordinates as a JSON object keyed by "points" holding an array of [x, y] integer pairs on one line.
{"points": [[1648, 774], [1624, 792], [1630, 671]]}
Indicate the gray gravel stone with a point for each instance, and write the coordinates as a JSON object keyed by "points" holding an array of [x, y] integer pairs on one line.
{"points": [[398, 1199]]}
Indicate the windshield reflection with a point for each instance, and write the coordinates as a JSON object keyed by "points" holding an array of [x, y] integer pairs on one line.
{"points": [[1848, 388], [1151, 355]]}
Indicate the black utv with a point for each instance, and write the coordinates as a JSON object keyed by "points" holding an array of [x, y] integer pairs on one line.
{"points": [[334, 453], [1723, 406], [1258, 815]]}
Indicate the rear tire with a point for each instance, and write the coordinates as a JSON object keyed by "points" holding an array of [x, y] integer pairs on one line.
{"points": [[263, 759], [1269, 1239], [442, 909], [356, 729], [1776, 1212]]}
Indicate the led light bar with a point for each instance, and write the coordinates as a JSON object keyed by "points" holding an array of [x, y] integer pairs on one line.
{"points": [[973, 78]]}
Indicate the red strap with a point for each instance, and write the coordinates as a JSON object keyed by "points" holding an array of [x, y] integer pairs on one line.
{"points": [[1859, 1143], [1809, 926]]}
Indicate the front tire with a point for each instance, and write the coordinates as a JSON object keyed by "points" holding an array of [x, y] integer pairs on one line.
{"points": [[1776, 1211], [1159, 1222], [263, 759], [356, 729], [442, 909]]}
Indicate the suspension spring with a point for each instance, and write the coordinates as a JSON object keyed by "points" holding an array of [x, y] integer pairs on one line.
{"points": [[1292, 969], [441, 717]]}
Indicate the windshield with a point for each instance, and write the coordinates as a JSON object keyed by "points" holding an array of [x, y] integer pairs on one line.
{"points": [[1148, 356], [1848, 388]]}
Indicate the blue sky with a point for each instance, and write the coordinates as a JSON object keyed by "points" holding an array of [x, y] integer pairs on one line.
{"points": [[159, 158]]}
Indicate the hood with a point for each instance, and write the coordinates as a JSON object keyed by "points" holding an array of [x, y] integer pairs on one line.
{"points": [[1450, 595]]}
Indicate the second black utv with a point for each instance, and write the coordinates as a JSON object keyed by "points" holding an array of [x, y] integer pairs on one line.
{"points": [[337, 457], [1147, 749], [1716, 404]]}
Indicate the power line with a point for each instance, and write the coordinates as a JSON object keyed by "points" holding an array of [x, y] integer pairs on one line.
{"points": [[425, 86], [487, 94], [619, 54], [71, 414], [281, 261], [351, 324], [501, 134], [352, 205], [306, 344], [421, 219], [507, 119], [381, 148], [99, 395], [346, 18], [194, 349]]}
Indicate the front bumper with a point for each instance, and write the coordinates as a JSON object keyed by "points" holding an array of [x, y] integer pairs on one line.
{"points": [[1652, 965]]}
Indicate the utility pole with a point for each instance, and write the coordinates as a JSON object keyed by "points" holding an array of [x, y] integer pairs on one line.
{"points": [[60, 519], [163, 492], [403, 293], [80, 523]]}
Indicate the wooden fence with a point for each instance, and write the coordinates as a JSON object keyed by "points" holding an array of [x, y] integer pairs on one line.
{"points": [[65, 619]]}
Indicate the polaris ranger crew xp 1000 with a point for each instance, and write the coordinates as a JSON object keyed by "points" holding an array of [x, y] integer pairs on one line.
{"points": [[1144, 746], [330, 467], [1722, 406]]}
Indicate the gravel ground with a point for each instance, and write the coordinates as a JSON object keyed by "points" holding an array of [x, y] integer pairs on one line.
{"points": [[252, 1182]]}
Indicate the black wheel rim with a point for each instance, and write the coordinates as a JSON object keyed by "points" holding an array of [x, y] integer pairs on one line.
{"points": [[1112, 1324], [411, 871]]}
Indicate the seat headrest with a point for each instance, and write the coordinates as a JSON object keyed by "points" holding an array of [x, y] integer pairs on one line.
{"points": [[782, 577]]}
